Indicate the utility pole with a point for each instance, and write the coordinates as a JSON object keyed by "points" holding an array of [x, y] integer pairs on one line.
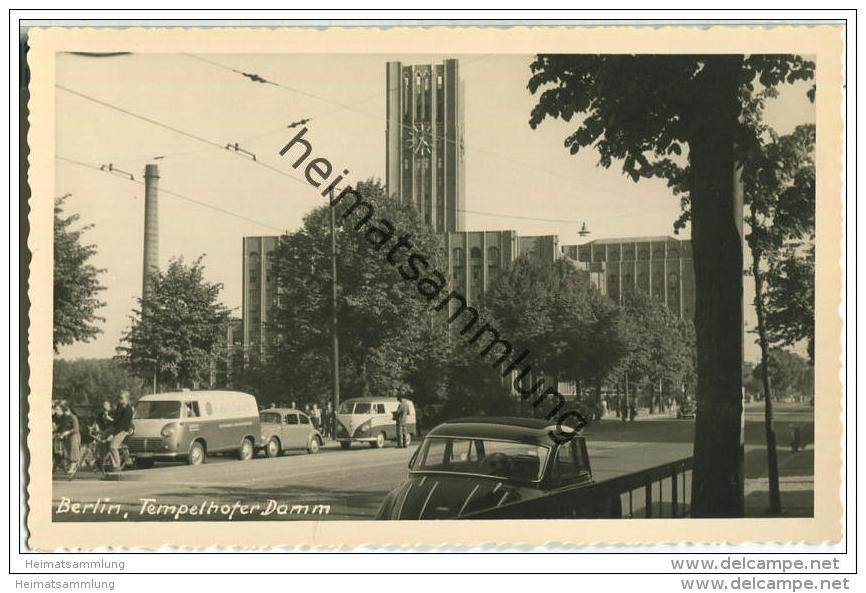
{"points": [[335, 351]]}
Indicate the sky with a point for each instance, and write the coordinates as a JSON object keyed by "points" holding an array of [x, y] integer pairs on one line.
{"points": [[516, 178]]}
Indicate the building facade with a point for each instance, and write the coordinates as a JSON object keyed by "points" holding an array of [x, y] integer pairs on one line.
{"points": [[229, 357], [259, 294], [424, 140], [541, 247], [476, 258], [659, 266]]}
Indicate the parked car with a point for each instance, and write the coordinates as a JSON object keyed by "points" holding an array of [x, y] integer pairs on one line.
{"points": [[190, 425], [284, 429], [489, 467], [687, 409], [371, 420]]}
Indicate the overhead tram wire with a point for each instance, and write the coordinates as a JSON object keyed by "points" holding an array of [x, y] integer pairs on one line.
{"points": [[318, 116], [441, 138], [260, 163], [178, 195], [177, 131]]}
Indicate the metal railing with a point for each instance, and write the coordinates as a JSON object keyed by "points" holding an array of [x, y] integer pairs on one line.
{"points": [[663, 491]]}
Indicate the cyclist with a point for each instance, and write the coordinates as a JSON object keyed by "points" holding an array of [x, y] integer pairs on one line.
{"points": [[121, 428]]}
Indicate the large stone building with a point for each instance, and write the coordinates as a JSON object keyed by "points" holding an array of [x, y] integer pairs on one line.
{"points": [[659, 266], [259, 294], [424, 140], [425, 166]]}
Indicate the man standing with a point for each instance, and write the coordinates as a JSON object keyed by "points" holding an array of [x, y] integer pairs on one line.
{"points": [[401, 416], [122, 428], [330, 421]]}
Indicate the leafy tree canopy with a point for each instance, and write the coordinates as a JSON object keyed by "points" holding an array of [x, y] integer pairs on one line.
{"points": [[76, 282], [387, 332], [178, 328], [645, 110], [90, 381]]}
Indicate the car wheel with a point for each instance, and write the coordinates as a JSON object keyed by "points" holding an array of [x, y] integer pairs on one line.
{"points": [[144, 463], [379, 442], [246, 450], [314, 445], [197, 454], [345, 444], [273, 448]]}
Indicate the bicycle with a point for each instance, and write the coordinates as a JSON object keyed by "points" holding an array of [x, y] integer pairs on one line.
{"points": [[87, 458], [126, 460], [101, 464]]}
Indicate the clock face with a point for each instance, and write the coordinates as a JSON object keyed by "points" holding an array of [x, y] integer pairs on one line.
{"points": [[422, 138]]}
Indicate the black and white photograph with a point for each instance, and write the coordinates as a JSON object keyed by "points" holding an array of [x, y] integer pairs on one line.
{"points": [[325, 285]]}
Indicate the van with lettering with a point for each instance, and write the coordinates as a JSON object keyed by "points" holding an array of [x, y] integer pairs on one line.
{"points": [[371, 420], [191, 425]]}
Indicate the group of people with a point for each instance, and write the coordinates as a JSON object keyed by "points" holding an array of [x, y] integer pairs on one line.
{"points": [[109, 429]]}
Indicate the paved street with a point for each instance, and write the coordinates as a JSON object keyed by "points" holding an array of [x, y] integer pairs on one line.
{"points": [[351, 484]]}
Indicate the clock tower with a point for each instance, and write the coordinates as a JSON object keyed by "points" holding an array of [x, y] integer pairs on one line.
{"points": [[424, 140]]}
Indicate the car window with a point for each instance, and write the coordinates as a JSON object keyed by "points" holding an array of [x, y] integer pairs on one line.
{"points": [[157, 409], [291, 418], [505, 459], [363, 408], [380, 408], [434, 453], [346, 408], [304, 418], [270, 417], [191, 410], [570, 463], [463, 450]]}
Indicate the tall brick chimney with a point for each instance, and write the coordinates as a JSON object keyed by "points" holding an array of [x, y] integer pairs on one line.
{"points": [[151, 227]]}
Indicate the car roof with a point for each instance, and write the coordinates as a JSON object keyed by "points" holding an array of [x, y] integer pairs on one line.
{"points": [[534, 430], [194, 395], [283, 410], [372, 399]]}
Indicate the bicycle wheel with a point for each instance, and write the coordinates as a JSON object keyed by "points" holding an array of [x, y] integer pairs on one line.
{"points": [[106, 465], [76, 465]]}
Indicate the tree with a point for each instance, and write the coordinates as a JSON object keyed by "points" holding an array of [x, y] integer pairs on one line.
{"points": [[647, 111], [780, 193], [386, 331], [572, 331], [88, 381], [76, 282], [178, 329], [663, 354], [790, 374]]}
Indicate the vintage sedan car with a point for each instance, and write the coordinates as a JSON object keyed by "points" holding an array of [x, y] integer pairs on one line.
{"points": [[687, 409], [284, 429], [498, 468]]}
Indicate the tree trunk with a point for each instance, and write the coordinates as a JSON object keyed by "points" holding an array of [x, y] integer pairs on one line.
{"points": [[717, 242], [772, 457], [365, 384]]}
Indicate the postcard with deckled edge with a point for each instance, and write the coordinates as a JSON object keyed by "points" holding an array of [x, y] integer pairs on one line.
{"points": [[346, 286]]}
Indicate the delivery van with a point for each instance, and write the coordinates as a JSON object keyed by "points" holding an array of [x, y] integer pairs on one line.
{"points": [[371, 420], [190, 425]]}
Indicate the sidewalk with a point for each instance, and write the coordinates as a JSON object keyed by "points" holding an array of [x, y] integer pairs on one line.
{"points": [[643, 414], [796, 483]]}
